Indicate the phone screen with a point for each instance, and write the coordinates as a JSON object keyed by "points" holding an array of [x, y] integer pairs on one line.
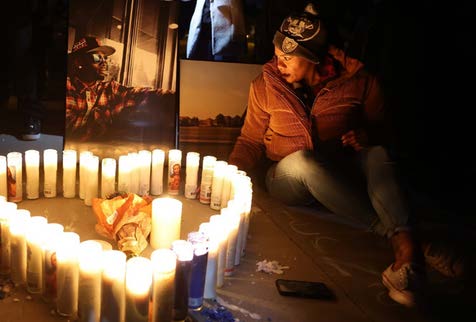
{"points": [[317, 290]]}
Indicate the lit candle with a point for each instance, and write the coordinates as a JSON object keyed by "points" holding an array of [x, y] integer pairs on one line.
{"points": [[145, 160], [174, 168], [199, 268], [134, 178], [166, 221], [50, 169], [138, 289], [232, 219], [108, 176], [69, 173], [67, 274], [213, 233], [92, 180], [164, 262], [113, 294], [18, 224], [32, 165], [53, 233], [230, 171], [157, 176], [208, 164], [124, 174], [238, 206], [184, 251], [191, 174], [83, 156], [218, 223], [104, 244], [89, 284], [242, 190], [217, 184], [3, 177], [14, 176], [34, 248], [7, 210]]}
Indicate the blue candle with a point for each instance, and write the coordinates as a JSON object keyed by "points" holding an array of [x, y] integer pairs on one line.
{"points": [[184, 251], [199, 268]]}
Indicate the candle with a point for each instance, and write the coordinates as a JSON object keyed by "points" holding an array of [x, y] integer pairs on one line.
{"points": [[157, 176], [138, 288], [166, 221], [218, 223], [67, 274], [53, 234], [7, 210], [92, 177], [34, 248], [134, 177], [214, 239], [113, 294], [232, 219], [217, 184], [242, 190], [83, 156], [145, 160], [191, 174], [104, 244], [230, 172], [69, 173], [124, 174], [89, 284], [164, 262], [199, 268], [208, 164], [14, 176], [50, 169], [18, 223], [3, 177], [32, 165], [108, 176], [184, 251], [174, 168]]}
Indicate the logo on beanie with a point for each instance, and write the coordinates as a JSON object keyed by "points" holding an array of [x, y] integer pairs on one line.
{"points": [[300, 28], [288, 45]]}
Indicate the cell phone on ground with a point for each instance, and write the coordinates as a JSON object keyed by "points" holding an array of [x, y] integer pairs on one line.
{"points": [[306, 289]]}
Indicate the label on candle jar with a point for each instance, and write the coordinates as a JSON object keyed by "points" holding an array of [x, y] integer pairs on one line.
{"points": [[14, 194]]}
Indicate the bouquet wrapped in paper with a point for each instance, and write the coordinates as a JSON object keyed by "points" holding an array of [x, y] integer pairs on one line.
{"points": [[125, 218]]}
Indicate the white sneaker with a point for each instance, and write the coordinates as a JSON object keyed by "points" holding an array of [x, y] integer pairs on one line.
{"points": [[405, 285]]}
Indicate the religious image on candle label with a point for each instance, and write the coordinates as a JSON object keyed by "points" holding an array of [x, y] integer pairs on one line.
{"points": [[121, 77]]}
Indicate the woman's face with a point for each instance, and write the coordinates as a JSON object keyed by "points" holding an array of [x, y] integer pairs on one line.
{"points": [[293, 68]]}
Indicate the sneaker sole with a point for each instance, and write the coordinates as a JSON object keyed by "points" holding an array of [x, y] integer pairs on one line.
{"points": [[397, 295]]}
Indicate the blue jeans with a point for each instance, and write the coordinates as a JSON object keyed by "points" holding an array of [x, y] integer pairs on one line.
{"points": [[363, 186]]}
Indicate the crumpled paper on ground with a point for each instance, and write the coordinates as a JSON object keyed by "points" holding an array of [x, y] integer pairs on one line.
{"points": [[126, 219], [270, 267]]}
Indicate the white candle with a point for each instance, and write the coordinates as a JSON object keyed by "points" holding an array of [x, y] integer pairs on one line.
{"points": [[34, 245], [230, 172], [163, 265], [7, 210], [166, 221], [92, 180], [18, 225], [217, 184], [104, 244], [157, 176], [232, 219], [89, 284], [134, 178], [67, 274], [242, 190], [32, 165], [3, 177], [145, 160], [208, 164], [52, 238], [213, 233], [83, 156], [50, 170], [124, 174], [219, 224], [191, 174], [108, 176], [15, 176], [113, 294], [138, 288], [174, 168], [69, 173]]}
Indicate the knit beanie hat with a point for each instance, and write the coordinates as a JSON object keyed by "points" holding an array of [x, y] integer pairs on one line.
{"points": [[302, 35]]}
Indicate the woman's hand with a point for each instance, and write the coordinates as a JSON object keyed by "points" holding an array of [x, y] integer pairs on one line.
{"points": [[357, 139]]}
